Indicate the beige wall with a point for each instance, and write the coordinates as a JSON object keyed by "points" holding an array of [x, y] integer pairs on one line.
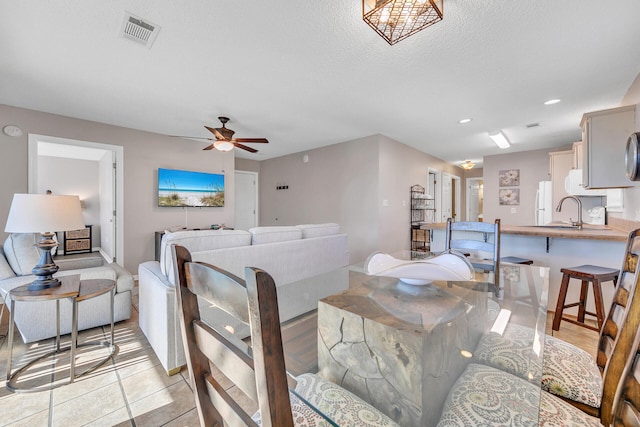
{"points": [[247, 165], [144, 153], [347, 183], [533, 166]]}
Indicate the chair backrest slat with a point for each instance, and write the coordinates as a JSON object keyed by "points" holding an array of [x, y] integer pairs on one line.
{"points": [[254, 300], [232, 362]]}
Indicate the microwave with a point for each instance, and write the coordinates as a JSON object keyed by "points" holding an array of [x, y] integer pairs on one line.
{"points": [[573, 185]]}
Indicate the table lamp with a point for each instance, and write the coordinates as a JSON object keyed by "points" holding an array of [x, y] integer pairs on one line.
{"points": [[44, 214]]}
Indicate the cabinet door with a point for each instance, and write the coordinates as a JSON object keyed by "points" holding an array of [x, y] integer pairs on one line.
{"points": [[561, 163], [606, 135]]}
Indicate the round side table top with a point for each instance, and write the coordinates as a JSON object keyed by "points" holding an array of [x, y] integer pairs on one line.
{"points": [[71, 287]]}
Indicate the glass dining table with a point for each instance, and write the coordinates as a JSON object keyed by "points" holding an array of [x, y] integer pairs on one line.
{"points": [[401, 347]]}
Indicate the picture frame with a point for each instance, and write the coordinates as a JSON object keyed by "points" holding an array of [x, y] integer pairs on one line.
{"points": [[509, 196], [509, 178]]}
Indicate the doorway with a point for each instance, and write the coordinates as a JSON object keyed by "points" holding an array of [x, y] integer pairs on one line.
{"points": [[108, 194], [246, 200], [475, 199]]}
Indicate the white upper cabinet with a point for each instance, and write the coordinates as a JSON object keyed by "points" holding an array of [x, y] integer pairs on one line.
{"points": [[604, 139]]}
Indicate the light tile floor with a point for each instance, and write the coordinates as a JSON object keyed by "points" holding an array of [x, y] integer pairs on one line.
{"points": [[133, 389]]}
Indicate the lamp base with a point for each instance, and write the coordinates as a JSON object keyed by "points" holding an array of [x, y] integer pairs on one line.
{"points": [[46, 267]]}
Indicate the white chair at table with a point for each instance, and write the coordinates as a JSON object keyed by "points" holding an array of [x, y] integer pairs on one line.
{"points": [[481, 242], [259, 372]]}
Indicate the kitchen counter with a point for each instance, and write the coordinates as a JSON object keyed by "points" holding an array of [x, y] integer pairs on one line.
{"points": [[589, 231]]}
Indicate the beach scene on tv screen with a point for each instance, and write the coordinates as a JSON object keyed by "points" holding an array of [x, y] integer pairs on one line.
{"points": [[186, 188]]}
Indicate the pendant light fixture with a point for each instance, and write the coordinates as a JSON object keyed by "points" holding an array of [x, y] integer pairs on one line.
{"points": [[396, 20]]}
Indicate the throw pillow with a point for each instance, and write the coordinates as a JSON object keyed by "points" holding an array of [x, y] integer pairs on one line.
{"points": [[5, 269], [21, 253]]}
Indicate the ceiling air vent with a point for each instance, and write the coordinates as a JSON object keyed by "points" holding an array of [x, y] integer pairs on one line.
{"points": [[139, 30], [533, 125]]}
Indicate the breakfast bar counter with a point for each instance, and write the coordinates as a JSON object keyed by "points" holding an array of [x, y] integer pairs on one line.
{"points": [[589, 231]]}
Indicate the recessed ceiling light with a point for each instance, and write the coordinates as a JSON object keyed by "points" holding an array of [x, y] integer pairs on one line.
{"points": [[552, 101], [463, 121]]}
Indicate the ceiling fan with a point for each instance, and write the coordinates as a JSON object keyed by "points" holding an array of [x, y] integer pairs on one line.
{"points": [[224, 140]]}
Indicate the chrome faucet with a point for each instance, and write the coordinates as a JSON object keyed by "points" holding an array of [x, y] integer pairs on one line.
{"points": [[577, 223]]}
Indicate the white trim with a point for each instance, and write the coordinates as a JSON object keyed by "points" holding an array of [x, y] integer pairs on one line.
{"points": [[119, 159]]}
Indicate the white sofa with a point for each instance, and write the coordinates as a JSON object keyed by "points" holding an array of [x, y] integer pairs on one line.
{"points": [[37, 320], [289, 254]]}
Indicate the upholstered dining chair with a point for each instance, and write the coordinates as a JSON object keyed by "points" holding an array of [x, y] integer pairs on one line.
{"points": [[253, 389], [503, 392], [568, 371]]}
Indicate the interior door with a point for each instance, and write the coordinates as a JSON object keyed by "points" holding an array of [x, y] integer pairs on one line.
{"points": [[447, 197], [107, 193], [246, 200], [474, 199]]}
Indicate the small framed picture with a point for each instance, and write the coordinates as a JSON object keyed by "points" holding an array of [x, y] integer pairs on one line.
{"points": [[509, 178], [509, 196]]}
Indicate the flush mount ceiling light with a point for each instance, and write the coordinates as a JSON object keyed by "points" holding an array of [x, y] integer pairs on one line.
{"points": [[464, 121], [396, 20], [500, 139], [467, 165], [552, 101]]}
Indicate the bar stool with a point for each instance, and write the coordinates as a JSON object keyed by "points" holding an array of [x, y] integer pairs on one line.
{"points": [[585, 273]]}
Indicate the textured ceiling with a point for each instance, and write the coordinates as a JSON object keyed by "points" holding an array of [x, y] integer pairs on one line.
{"points": [[307, 74]]}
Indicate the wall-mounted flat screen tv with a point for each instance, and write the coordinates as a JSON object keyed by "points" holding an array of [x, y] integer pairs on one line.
{"points": [[190, 189]]}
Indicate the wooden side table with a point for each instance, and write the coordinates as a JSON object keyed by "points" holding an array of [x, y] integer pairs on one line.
{"points": [[77, 290]]}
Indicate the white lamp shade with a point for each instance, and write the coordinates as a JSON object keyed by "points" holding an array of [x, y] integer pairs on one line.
{"points": [[38, 213]]}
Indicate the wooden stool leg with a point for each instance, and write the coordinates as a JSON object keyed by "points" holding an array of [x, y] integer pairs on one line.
{"points": [[557, 317], [584, 292], [597, 295]]}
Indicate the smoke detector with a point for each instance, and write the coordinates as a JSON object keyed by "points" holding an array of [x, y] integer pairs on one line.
{"points": [[139, 30]]}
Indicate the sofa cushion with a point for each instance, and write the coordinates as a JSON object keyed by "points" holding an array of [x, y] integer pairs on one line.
{"points": [[310, 231], [5, 268], [262, 235], [21, 253], [198, 241]]}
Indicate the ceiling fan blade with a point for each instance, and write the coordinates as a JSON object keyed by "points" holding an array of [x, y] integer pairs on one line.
{"points": [[244, 147], [217, 134], [191, 137], [210, 147], [261, 140]]}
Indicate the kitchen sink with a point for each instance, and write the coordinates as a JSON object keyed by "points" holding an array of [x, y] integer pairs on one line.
{"points": [[591, 227]]}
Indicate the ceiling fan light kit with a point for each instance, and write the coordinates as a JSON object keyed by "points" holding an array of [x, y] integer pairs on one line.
{"points": [[396, 20], [224, 140]]}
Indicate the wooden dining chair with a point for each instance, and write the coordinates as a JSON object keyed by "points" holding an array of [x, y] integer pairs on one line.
{"points": [[626, 404], [505, 392], [253, 388]]}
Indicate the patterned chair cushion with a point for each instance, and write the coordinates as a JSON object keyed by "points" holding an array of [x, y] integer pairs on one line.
{"points": [[341, 406], [485, 396], [568, 371]]}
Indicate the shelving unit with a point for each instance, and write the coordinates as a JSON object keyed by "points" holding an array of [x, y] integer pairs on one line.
{"points": [[422, 212]]}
